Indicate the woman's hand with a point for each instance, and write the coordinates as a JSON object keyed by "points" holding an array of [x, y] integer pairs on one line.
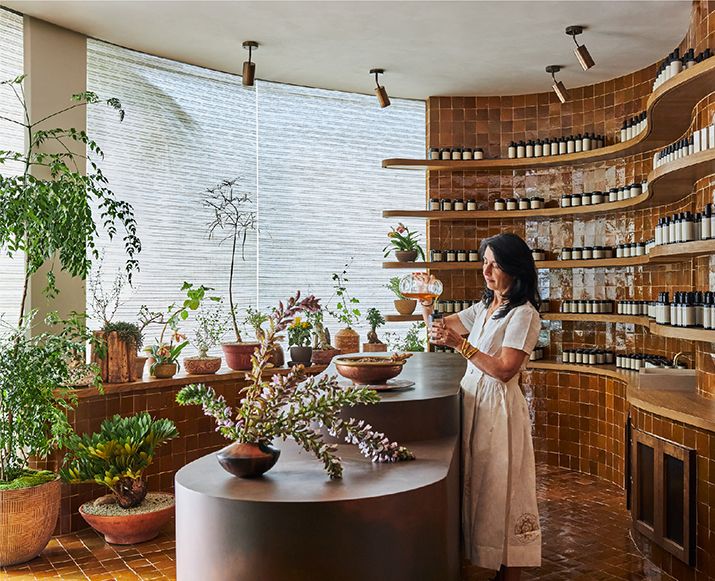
{"points": [[425, 279], [440, 334]]}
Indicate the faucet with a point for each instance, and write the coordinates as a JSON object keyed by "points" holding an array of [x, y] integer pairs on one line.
{"points": [[679, 353]]}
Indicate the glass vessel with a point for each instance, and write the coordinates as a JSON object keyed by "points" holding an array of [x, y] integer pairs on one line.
{"points": [[421, 286]]}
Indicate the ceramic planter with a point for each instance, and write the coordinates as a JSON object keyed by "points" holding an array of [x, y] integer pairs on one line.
{"points": [[27, 519], [366, 370], [238, 355], [247, 460], [139, 364], [405, 255], [301, 354], [374, 347], [129, 529], [165, 370], [405, 306], [347, 340], [202, 365], [324, 356]]}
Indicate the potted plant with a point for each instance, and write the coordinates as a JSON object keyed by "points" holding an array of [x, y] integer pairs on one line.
{"points": [[211, 325], [415, 340], [375, 319], [346, 311], [35, 372], [256, 319], [291, 405], [299, 341], [116, 457], [48, 220], [403, 305], [404, 244], [323, 351], [232, 214]]}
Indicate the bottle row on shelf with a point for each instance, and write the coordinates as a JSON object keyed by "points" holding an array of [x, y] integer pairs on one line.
{"points": [[437, 255], [586, 306], [448, 205], [699, 140], [675, 64], [455, 153], [632, 127], [685, 227], [555, 146], [613, 195], [691, 309], [632, 361]]}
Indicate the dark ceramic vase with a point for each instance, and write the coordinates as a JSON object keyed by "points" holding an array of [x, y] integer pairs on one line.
{"points": [[248, 460], [299, 354]]}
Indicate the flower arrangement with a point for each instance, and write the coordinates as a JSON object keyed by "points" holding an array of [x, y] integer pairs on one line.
{"points": [[292, 405], [117, 455], [299, 333], [402, 240]]}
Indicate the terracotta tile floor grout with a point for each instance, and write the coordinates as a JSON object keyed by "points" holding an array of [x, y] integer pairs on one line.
{"points": [[577, 511]]}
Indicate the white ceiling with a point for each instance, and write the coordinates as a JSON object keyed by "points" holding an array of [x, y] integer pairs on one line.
{"points": [[427, 48]]}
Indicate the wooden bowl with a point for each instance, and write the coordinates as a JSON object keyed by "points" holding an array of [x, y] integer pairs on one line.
{"points": [[367, 369]]}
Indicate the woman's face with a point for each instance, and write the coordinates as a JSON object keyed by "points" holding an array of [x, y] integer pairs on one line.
{"points": [[497, 280]]}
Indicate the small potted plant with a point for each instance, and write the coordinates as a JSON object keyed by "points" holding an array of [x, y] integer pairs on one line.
{"points": [[346, 311], [323, 351], [116, 457], [415, 340], [291, 405], [404, 244], [403, 305], [211, 325], [232, 213], [375, 319], [256, 319], [299, 341]]}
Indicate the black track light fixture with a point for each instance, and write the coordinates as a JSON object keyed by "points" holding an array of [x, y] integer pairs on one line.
{"points": [[581, 52], [249, 67], [558, 86], [380, 91]]}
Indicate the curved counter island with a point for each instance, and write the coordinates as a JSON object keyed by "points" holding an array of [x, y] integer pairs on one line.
{"points": [[380, 522]]}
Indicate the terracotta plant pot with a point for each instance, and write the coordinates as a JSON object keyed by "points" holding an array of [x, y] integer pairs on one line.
{"points": [[324, 356], [139, 364], [165, 370], [202, 365], [247, 460], [362, 372], [301, 354], [405, 306], [405, 255], [278, 359], [27, 519], [238, 355], [129, 529], [374, 347], [347, 340]]}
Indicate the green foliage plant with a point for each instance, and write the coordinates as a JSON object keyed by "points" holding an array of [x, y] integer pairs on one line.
{"points": [[394, 286], [375, 319], [346, 310], [117, 455], [321, 335], [401, 239], [49, 218], [255, 319], [232, 214], [294, 405], [211, 326], [128, 332], [414, 340]]}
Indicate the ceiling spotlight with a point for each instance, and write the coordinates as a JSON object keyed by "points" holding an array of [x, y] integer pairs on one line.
{"points": [[249, 68], [558, 86], [380, 91], [581, 52]]}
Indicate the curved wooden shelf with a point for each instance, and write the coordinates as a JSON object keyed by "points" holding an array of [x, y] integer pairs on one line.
{"points": [[604, 370], [435, 265], [597, 318], [669, 111], [681, 250], [689, 334], [402, 318], [672, 181], [592, 263]]}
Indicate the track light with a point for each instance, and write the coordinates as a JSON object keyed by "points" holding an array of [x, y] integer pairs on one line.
{"points": [[558, 86], [249, 68], [380, 91], [581, 52]]}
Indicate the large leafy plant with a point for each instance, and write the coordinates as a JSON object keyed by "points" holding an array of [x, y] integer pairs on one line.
{"points": [[295, 405], [117, 455], [49, 218]]}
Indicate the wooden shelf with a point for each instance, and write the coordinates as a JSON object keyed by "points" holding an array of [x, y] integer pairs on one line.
{"points": [[599, 318], [434, 265], [708, 336], [402, 318], [672, 181], [605, 370], [680, 251], [669, 111], [593, 263]]}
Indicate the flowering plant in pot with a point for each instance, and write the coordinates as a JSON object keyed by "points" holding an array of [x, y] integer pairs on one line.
{"points": [[404, 244], [403, 305], [211, 326], [289, 406], [255, 319], [299, 341], [323, 351], [116, 457], [346, 311], [233, 214], [375, 319]]}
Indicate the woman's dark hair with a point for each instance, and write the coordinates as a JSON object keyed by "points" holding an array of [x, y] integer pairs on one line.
{"points": [[514, 258]]}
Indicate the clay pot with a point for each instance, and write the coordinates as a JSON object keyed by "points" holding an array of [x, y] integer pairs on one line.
{"points": [[139, 364], [28, 517], [374, 347], [405, 255], [202, 365], [247, 460], [238, 355], [347, 340], [405, 306], [301, 354], [324, 356], [366, 372], [165, 370], [129, 529], [278, 358]]}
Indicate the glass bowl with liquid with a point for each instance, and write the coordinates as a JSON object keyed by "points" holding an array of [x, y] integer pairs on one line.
{"points": [[421, 286]]}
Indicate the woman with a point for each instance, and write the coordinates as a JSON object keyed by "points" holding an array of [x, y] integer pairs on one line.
{"points": [[500, 521]]}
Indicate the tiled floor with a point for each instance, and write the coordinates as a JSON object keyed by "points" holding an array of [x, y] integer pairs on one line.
{"points": [[585, 530]]}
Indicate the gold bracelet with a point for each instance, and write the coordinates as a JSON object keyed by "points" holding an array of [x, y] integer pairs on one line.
{"points": [[467, 349]]}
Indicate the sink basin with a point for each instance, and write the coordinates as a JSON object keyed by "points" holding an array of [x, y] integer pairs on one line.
{"points": [[667, 379]]}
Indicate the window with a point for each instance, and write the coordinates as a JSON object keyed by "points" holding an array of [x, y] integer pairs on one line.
{"points": [[11, 137], [310, 158]]}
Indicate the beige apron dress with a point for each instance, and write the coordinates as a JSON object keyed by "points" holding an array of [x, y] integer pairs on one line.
{"points": [[500, 519]]}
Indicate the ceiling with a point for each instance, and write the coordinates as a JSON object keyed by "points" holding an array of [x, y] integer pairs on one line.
{"points": [[427, 48]]}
